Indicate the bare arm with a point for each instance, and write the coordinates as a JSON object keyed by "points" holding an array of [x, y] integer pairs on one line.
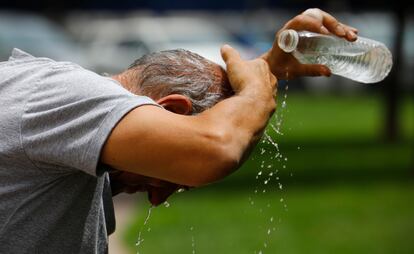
{"points": [[196, 150]]}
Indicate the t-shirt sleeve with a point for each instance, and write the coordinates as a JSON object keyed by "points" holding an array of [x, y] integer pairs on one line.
{"points": [[69, 116]]}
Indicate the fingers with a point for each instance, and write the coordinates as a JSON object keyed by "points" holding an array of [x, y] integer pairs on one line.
{"points": [[308, 23], [327, 23], [315, 70], [229, 54], [338, 28]]}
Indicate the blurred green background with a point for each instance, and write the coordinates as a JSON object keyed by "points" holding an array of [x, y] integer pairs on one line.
{"points": [[339, 187]]}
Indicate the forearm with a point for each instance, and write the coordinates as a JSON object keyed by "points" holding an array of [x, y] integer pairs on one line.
{"points": [[189, 150], [242, 119], [233, 127]]}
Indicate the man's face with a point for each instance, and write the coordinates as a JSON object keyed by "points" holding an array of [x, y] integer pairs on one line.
{"points": [[158, 190]]}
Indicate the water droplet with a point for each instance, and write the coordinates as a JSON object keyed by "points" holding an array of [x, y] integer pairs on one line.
{"points": [[269, 166], [280, 185], [271, 219], [262, 151], [271, 141], [260, 173], [149, 229], [276, 129], [298, 147], [140, 239], [166, 204], [192, 242], [266, 181], [264, 191], [286, 158], [284, 104], [180, 190], [139, 242], [271, 174], [281, 200], [268, 231]]}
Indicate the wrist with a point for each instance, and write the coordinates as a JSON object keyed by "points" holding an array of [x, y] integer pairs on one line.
{"points": [[270, 61], [259, 98]]}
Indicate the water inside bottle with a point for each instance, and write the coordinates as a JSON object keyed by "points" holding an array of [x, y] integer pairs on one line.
{"points": [[364, 60], [360, 61]]}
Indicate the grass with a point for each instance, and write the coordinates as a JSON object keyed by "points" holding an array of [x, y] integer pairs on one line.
{"points": [[374, 218], [343, 189]]}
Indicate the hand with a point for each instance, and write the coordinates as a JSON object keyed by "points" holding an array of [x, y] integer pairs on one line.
{"points": [[254, 75], [284, 65], [158, 190]]}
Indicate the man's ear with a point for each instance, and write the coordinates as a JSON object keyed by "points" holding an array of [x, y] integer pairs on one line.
{"points": [[176, 103]]}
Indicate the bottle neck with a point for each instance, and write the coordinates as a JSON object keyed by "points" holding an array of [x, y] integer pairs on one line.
{"points": [[288, 40]]}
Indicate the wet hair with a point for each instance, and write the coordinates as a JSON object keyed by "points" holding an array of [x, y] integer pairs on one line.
{"points": [[182, 72]]}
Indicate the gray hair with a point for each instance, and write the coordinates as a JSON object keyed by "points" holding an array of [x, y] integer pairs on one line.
{"points": [[181, 72]]}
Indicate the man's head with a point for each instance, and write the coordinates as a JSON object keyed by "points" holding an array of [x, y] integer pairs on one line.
{"points": [[179, 80], [182, 82]]}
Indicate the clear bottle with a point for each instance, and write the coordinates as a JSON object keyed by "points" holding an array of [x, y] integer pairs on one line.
{"points": [[364, 60]]}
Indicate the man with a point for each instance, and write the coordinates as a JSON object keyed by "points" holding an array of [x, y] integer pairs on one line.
{"points": [[64, 128]]}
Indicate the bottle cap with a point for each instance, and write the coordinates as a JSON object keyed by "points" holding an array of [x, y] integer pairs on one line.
{"points": [[288, 40]]}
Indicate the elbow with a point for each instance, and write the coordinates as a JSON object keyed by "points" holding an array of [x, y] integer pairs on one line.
{"points": [[214, 173], [221, 159]]}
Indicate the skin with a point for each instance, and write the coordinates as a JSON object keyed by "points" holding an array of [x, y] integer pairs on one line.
{"points": [[159, 151]]}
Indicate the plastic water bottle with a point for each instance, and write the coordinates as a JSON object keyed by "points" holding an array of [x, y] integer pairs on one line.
{"points": [[363, 60]]}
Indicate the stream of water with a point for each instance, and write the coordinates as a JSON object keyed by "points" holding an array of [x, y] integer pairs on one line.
{"points": [[267, 176], [140, 240]]}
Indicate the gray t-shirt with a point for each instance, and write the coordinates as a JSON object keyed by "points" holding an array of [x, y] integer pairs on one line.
{"points": [[55, 197]]}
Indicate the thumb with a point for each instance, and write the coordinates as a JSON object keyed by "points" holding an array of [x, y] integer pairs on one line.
{"points": [[229, 54], [313, 70]]}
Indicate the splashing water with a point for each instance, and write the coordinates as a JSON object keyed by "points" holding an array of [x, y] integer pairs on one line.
{"points": [[192, 241], [268, 171], [269, 138], [140, 239]]}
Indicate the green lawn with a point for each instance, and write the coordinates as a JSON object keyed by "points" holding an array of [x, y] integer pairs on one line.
{"points": [[373, 218], [343, 189]]}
